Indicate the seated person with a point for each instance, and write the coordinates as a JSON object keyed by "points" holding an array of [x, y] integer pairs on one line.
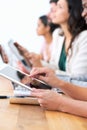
{"points": [[76, 97], [70, 49], [77, 56], [45, 28], [72, 56], [56, 38]]}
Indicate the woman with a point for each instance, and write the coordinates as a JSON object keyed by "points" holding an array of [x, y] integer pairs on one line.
{"points": [[70, 48], [75, 39], [45, 28]]}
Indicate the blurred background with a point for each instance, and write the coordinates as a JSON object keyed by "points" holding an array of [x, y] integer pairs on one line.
{"points": [[18, 21]]}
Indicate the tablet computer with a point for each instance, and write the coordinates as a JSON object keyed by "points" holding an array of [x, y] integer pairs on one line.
{"points": [[15, 76], [18, 55], [10, 73]]}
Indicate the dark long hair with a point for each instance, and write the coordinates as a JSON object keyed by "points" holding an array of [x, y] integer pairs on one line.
{"points": [[76, 22], [47, 22]]}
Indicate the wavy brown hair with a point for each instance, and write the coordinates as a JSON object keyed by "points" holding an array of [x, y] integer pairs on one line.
{"points": [[76, 23]]}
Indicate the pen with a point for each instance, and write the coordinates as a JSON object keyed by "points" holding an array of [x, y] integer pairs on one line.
{"points": [[3, 96]]}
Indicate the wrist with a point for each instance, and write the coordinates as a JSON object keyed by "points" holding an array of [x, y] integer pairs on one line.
{"points": [[58, 83], [62, 106], [37, 64], [60, 100], [67, 104]]}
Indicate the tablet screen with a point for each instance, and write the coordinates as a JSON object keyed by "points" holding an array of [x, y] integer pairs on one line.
{"points": [[22, 79]]}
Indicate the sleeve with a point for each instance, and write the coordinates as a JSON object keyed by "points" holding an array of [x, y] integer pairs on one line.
{"points": [[79, 62]]}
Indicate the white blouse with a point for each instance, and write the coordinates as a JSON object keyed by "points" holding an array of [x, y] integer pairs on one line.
{"points": [[76, 62]]}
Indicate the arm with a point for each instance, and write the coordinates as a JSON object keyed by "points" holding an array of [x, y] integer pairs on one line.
{"points": [[72, 90], [50, 78], [78, 62], [51, 100], [73, 106]]}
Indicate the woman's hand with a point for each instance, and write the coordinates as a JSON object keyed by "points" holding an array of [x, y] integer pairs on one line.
{"points": [[4, 55], [20, 48], [24, 52], [35, 60], [48, 99], [45, 74]]}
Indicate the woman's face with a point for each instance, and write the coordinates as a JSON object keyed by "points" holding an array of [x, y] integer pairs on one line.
{"points": [[52, 10], [41, 28], [61, 14]]}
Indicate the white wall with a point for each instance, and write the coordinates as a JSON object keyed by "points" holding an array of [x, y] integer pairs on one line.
{"points": [[18, 20]]}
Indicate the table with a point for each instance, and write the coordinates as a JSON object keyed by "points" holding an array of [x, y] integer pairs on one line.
{"points": [[30, 117]]}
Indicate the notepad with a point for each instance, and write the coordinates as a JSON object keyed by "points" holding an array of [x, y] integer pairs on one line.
{"points": [[24, 100]]}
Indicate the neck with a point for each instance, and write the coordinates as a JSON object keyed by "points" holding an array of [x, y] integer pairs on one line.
{"points": [[67, 34], [48, 38], [68, 37]]}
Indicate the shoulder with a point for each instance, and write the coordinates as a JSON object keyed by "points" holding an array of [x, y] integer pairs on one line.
{"points": [[82, 35], [81, 38], [80, 43]]}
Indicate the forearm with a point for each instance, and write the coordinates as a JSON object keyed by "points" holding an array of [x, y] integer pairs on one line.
{"points": [[72, 106], [72, 90]]}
